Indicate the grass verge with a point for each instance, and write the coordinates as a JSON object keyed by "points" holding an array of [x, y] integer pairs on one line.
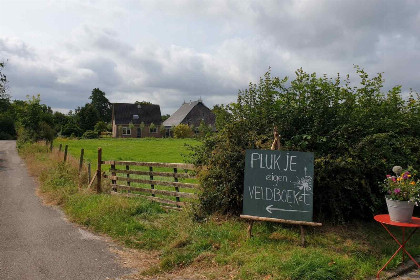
{"points": [[218, 247]]}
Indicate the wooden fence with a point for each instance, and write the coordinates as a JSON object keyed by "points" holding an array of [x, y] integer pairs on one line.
{"points": [[155, 183], [164, 191]]}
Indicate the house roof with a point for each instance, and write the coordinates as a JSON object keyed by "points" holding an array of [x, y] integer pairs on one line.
{"points": [[124, 113], [177, 117]]}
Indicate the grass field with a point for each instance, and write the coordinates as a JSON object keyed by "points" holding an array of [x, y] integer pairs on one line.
{"points": [[217, 247], [143, 149]]}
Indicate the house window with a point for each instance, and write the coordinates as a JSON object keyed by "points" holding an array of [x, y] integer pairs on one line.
{"points": [[126, 130], [153, 130]]}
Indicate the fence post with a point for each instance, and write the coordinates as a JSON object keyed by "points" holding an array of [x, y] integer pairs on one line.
{"points": [[152, 186], [113, 174], [127, 167], [65, 153], [89, 173], [82, 151], [176, 180], [51, 145], [98, 171], [59, 148]]}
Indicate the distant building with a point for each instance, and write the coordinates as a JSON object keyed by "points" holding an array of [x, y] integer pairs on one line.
{"points": [[128, 119], [192, 114]]}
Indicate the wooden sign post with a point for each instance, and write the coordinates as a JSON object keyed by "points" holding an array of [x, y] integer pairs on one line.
{"points": [[278, 186]]}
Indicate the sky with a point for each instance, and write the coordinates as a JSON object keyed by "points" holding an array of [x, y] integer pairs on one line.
{"points": [[170, 51]]}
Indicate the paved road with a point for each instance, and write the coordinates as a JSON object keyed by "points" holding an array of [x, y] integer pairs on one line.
{"points": [[36, 242]]}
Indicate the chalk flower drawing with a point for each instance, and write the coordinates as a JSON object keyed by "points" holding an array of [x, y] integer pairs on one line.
{"points": [[304, 183]]}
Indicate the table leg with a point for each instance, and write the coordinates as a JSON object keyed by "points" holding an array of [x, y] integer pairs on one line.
{"points": [[403, 235], [402, 246]]}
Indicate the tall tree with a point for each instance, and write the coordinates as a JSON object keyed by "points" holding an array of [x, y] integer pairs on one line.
{"points": [[4, 97], [7, 123], [87, 117], [101, 104]]}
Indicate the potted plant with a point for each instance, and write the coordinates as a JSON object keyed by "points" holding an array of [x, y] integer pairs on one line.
{"points": [[403, 192]]}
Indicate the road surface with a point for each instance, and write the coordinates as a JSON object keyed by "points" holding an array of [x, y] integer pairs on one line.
{"points": [[36, 241]]}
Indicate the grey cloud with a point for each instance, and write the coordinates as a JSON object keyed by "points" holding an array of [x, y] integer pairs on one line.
{"points": [[12, 46], [334, 28]]}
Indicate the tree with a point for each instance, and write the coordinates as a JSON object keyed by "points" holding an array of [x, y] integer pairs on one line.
{"points": [[87, 117], [101, 104], [7, 127], [7, 124], [100, 127], [143, 103], [60, 120], [162, 129], [4, 97], [71, 129], [35, 121], [165, 117]]}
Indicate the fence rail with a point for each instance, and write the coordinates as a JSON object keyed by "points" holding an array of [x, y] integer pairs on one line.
{"points": [[153, 164], [151, 188], [129, 180]]}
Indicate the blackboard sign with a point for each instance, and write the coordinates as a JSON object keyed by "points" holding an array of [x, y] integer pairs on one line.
{"points": [[279, 184]]}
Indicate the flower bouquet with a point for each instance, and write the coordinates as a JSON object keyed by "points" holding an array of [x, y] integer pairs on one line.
{"points": [[403, 193]]}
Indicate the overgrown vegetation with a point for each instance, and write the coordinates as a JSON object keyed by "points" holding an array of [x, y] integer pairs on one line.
{"points": [[217, 247], [356, 132]]}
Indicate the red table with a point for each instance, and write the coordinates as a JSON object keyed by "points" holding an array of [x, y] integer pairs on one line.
{"points": [[415, 224]]}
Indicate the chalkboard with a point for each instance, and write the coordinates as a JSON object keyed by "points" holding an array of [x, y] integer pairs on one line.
{"points": [[279, 184]]}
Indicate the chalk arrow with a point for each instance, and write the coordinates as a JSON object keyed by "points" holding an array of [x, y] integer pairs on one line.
{"points": [[270, 209], [305, 170]]}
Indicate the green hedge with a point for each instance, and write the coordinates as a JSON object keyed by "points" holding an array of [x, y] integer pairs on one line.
{"points": [[356, 132]]}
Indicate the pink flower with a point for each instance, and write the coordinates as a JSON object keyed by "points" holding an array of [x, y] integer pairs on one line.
{"points": [[388, 176], [394, 179], [397, 191]]}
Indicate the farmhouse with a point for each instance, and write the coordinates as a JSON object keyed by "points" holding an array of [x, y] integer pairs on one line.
{"points": [[136, 120], [192, 114]]}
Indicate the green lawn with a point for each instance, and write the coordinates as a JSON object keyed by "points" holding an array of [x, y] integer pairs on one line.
{"points": [[130, 149]]}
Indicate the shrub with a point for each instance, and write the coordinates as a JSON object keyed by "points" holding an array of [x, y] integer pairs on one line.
{"points": [[90, 134], [356, 133], [7, 128], [71, 130], [100, 127], [183, 131]]}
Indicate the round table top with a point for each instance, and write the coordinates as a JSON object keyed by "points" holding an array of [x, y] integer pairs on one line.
{"points": [[384, 219]]}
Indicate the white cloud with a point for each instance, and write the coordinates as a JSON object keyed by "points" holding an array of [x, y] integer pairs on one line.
{"points": [[170, 51]]}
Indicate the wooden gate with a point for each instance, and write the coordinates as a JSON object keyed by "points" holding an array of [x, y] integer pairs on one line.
{"points": [[156, 181]]}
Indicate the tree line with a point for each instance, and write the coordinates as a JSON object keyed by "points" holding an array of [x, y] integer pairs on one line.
{"points": [[31, 121]]}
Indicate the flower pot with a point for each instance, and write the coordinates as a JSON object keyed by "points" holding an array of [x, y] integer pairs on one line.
{"points": [[400, 211]]}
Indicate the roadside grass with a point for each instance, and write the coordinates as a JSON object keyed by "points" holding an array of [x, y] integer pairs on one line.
{"points": [[353, 251]]}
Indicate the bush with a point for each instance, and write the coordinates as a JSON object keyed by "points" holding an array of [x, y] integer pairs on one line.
{"points": [[100, 127], [71, 130], [183, 131], [356, 133], [90, 134], [7, 128]]}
